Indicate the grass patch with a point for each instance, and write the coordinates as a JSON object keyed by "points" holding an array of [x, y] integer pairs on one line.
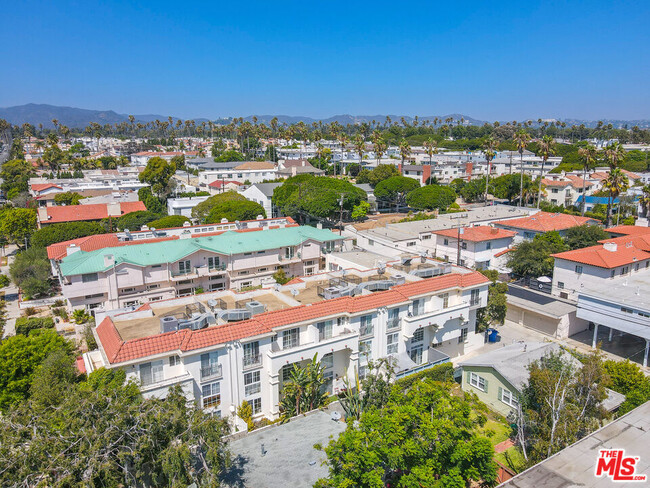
{"points": [[495, 431], [512, 458]]}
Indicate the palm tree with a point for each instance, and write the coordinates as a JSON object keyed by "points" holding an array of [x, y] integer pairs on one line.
{"points": [[546, 150], [431, 148], [405, 152], [489, 146], [588, 154], [359, 145], [614, 154], [521, 139], [617, 183], [379, 146], [645, 200]]}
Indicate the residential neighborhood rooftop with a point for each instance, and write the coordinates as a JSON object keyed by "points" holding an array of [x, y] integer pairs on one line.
{"points": [[546, 222], [479, 233], [98, 211]]}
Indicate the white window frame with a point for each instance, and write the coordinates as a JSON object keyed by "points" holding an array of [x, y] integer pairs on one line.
{"points": [[252, 383], [477, 382], [392, 343]]}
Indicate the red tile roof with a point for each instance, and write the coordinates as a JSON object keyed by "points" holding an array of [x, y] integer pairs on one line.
{"points": [[95, 211], [38, 187], [90, 243], [219, 183], [641, 241], [602, 258], [118, 351], [477, 234], [628, 230], [546, 221], [79, 363], [568, 180], [502, 253]]}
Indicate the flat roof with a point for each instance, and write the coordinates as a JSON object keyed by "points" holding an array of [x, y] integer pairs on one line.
{"points": [[290, 459], [576, 464], [539, 302], [629, 290]]}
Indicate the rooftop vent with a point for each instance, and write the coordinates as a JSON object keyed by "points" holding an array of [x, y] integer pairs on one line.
{"points": [[610, 246]]}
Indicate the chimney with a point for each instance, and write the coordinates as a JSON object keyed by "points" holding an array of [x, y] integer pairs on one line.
{"points": [[71, 249], [144, 227], [42, 214], [260, 217], [610, 246], [187, 224], [224, 220], [319, 225], [494, 230], [109, 260]]}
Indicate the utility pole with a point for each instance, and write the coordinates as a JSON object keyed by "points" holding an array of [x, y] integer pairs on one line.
{"points": [[460, 233]]}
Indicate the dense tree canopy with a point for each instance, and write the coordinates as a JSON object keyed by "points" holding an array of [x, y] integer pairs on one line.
{"points": [[394, 189], [168, 221], [235, 210], [67, 198], [202, 210], [135, 220], [533, 258], [423, 436], [431, 197], [228, 156], [316, 196], [158, 174], [53, 233], [15, 175], [17, 224], [473, 190], [30, 271], [151, 202], [377, 174], [20, 358], [584, 236]]}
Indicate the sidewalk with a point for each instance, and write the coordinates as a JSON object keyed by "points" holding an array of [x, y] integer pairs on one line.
{"points": [[11, 293]]}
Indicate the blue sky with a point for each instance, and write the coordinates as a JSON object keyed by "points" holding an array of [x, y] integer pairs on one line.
{"points": [[486, 59]]}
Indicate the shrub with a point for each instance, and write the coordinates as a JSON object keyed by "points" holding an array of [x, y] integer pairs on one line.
{"points": [[430, 197], [168, 222], [89, 337], [80, 316], [24, 325], [29, 311], [66, 231], [4, 281], [442, 372]]}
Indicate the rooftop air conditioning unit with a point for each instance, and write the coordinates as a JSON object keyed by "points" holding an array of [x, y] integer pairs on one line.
{"points": [[168, 324]]}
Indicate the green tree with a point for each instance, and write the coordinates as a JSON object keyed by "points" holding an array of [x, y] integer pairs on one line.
{"points": [[545, 151], [508, 186], [135, 220], [17, 224], [560, 404], [489, 150], [281, 277], [494, 313], [533, 259], [404, 152], [53, 233], [584, 236], [20, 358], [431, 197], [359, 212], [377, 174], [235, 210], [152, 202], [400, 444], [302, 392], [158, 174], [615, 183], [473, 190], [17, 150], [394, 190], [317, 196], [15, 175], [521, 138], [627, 378], [228, 156], [588, 155], [103, 433], [31, 272], [67, 198], [201, 211], [24, 325], [168, 222]]}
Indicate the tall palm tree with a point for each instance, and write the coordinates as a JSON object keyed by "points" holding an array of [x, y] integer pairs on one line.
{"points": [[379, 146], [614, 154], [359, 146], [405, 152], [645, 200], [617, 183], [431, 148], [546, 150], [588, 154], [521, 139], [489, 150]]}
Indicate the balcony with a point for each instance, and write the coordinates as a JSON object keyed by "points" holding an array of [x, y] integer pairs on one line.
{"points": [[305, 350], [159, 387], [431, 358], [366, 331], [210, 270], [250, 362], [436, 318], [184, 274], [393, 324], [212, 372]]}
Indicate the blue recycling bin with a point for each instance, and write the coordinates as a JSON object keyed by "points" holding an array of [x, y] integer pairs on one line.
{"points": [[493, 335]]}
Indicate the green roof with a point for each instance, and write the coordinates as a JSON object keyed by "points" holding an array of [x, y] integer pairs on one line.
{"points": [[228, 243]]}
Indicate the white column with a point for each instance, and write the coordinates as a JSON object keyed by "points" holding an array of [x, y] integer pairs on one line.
{"points": [[611, 332], [645, 356], [595, 340]]}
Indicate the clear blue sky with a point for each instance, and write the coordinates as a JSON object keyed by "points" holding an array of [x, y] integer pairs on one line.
{"points": [[486, 59]]}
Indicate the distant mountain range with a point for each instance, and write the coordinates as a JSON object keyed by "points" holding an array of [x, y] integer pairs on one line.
{"points": [[36, 114]]}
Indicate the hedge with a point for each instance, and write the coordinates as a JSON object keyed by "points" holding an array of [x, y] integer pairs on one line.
{"points": [[24, 325], [442, 372]]}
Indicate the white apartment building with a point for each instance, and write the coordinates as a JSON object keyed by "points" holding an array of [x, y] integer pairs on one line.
{"points": [[128, 275], [183, 206], [482, 247], [250, 171], [262, 193], [565, 189], [600, 266], [202, 344]]}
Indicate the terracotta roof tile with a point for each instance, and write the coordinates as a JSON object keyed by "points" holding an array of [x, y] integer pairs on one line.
{"points": [[546, 221], [628, 230], [220, 183], [95, 211], [255, 165], [477, 234], [602, 258], [37, 187]]}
